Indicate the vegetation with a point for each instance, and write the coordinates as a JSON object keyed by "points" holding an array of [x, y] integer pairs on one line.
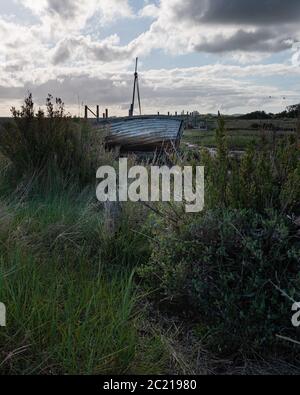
{"points": [[240, 133], [236, 140], [290, 112], [257, 115], [67, 265], [37, 143], [223, 271], [96, 288], [225, 266]]}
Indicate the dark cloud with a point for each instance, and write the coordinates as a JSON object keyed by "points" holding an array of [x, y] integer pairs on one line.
{"points": [[62, 54], [81, 47], [266, 26], [249, 12], [261, 40], [91, 90], [67, 8]]}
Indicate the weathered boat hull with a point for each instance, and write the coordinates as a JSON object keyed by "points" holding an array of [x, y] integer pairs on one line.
{"points": [[145, 133]]}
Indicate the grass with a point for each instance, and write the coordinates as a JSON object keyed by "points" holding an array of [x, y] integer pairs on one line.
{"points": [[65, 320], [237, 139], [72, 305]]}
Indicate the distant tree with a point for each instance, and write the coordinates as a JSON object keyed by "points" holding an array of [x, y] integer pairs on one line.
{"points": [[290, 112], [294, 111], [257, 115]]}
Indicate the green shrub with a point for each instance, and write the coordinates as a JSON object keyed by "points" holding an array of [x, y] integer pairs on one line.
{"points": [[223, 265], [222, 268], [264, 178], [39, 143]]}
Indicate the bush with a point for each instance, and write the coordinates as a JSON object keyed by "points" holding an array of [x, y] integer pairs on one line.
{"points": [[223, 268], [37, 143], [264, 178], [226, 266]]}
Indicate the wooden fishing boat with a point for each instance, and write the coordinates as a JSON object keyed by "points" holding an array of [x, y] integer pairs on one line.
{"points": [[145, 133]]}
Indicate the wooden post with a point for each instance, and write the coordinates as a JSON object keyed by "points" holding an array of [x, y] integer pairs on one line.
{"points": [[98, 113], [106, 113], [85, 112]]}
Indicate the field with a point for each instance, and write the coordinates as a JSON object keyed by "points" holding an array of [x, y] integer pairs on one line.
{"points": [[94, 288], [240, 133]]}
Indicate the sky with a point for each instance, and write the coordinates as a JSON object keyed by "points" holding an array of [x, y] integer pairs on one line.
{"points": [[231, 56]]}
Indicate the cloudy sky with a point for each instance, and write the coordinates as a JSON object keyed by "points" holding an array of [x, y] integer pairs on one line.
{"points": [[205, 55]]}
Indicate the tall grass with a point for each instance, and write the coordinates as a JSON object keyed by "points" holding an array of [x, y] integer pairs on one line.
{"points": [[64, 319], [66, 278], [72, 305], [66, 261]]}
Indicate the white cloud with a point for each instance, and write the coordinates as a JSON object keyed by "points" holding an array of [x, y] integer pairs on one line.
{"points": [[296, 55], [70, 15], [55, 54], [149, 11], [83, 47]]}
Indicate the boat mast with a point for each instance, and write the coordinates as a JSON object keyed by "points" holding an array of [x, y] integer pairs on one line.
{"points": [[136, 87]]}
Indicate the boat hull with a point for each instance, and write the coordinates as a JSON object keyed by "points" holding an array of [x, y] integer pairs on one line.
{"points": [[145, 133]]}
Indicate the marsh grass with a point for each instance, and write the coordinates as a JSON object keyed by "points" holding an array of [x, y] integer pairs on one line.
{"points": [[65, 320], [72, 305], [67, 262], [237, 139]]}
